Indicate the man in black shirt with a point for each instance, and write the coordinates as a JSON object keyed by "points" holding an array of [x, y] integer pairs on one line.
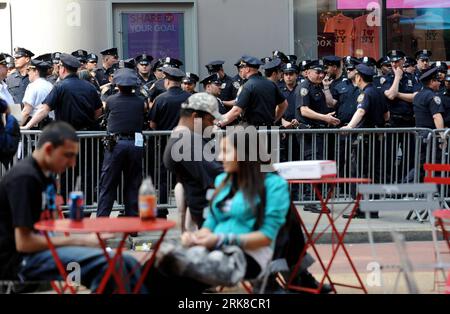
{"points": [[125, 116], [195, 174], [26, 191]]}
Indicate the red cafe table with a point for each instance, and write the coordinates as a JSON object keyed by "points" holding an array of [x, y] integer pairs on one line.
{"points": [[121, 225], [312, 237]]}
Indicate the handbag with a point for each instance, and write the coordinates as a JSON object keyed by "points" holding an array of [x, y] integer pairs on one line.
{"points": [[224, 267]]}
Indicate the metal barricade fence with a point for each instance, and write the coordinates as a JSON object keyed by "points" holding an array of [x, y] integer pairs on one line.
{"points": [[387, 156], [440, 154]]}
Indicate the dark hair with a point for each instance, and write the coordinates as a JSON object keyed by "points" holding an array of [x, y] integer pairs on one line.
{"points": [[70, 69], [366, 78], [127, 90], [42, 72], [186, 112], [57, 133], [249, 177], [269, 73]]}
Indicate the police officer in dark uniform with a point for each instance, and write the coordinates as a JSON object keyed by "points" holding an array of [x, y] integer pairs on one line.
{"points": [[18, 80], [228, 91], [371, 112], [272, 71], [157, 87], [189, 82], [55, 59], [423, 62], [334, 71], [164, 115], [302, 70], [81, 55], [144, 70], [410, 67], [399, 90], [238, 79], [212, 85], [429, 108], [384, 65], [124, 145], [445, 96], [442, 72], [109, 58], [260, 101]]}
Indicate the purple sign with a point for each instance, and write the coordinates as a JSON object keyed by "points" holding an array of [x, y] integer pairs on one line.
{"points": [[156, 34]]}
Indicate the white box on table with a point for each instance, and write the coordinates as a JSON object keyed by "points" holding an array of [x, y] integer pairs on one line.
{"points": [[307, 169]]}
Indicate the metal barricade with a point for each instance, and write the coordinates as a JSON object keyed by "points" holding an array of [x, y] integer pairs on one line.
{"points": [[387, 156]]}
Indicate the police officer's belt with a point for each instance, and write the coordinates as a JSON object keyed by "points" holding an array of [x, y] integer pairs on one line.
{"points": [[124, 136], [404, 118]]}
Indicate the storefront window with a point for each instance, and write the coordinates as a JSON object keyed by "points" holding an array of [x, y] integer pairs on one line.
{"points": [[342, 28]]}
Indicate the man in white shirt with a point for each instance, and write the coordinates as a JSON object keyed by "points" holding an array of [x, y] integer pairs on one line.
{"points": [[4, 93], [37, 90]]}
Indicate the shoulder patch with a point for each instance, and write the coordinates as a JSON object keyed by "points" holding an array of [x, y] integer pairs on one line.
{"points": [[223, 86], [360, 98], [382, 80], [437, 100], [236, 85], [239, 90], [304, 92]]}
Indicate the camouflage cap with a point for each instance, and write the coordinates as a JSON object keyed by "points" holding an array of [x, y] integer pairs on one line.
{"points": [[203, 102]]}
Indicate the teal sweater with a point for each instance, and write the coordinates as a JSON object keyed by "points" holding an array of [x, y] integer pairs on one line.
{"points": [[240, 219]]}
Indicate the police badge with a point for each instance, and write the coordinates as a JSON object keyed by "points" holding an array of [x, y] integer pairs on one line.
{"points": [[360, 98], [223, 86], [236, 85], [304, 92], [382, 80], [437, 100]]}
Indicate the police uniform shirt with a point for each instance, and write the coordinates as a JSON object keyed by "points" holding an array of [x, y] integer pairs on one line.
{"points": [[407, 85], [258, 99], [445, 97], [75, 101], [228, 91], [165, 111], [108, 91], [378, 81], [5, 95], [222, 108], [426, 104], [290, 96], [334, 84], [101, 76], [347, 95], [156, 88], [17, 84], [312, 96], [125, 113], [370, 100], [143, 81]]}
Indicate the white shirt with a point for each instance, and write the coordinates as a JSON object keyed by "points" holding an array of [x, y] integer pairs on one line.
{"points": [[36, 93], [4, 93]]}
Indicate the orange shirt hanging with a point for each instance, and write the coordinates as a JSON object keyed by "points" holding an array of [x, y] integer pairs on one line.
{"points": [[342, 26], [366, 38]]}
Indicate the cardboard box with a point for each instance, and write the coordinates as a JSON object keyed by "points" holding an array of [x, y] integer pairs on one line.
{"points": [[307, 169]]}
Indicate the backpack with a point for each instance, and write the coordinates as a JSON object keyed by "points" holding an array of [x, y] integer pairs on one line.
{"points": [[9, 136]]}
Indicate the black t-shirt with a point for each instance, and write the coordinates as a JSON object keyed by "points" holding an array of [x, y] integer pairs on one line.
{"points": [[125, 113], [193, 170], [75, 101], [23, 194], [165, 111], [259, 98]]}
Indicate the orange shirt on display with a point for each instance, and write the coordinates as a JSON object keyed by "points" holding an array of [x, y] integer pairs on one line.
{"points": [[342, 26], [366, 38]]}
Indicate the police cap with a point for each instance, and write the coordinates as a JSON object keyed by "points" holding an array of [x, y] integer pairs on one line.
{"points": [[92, 57], [278, 54], [125, 77], [215, 66], [110, 52], [266, 60], [316, 65], [423, 54], [430, 74], [45, 57], [212, 79], [303, 64], [70, 61], [22, 52], [290, 67], [351, 62], [369, 61], [331, 60], [144, 59], [395, 55], [203, 102], [272, 65], [251, 62], [409, 62], [171, 62], [441, 65], [81, 55], [173, 74], [56, 57], [156, 64], [5, 58], [190, 78], [40, 64], [383, 61], [365, 70]]}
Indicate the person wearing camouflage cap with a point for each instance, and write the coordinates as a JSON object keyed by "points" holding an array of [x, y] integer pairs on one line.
{"points": [[196, 175]]}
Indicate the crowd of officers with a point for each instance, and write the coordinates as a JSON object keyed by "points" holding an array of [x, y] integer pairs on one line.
{"points": [[91, 94]]}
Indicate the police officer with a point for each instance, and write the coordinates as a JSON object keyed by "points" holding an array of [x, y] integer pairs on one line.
{"points": [[164, 115], [423, 62], [410, 67], [91, 68], [81, 55], [272, 71], [55, 59], [228, 90], [442, 72], [302, 68], [334, 73], [73, 100], [212, 85], [109, 58], [18, 80], [384, 66], [280, 55], [347, 92], [124, 146], [189, 82], [429, 107], [260, 101], [144, 69], [313, 112], [157, 87], [445, 96], [371, 112], [238, 79]]}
